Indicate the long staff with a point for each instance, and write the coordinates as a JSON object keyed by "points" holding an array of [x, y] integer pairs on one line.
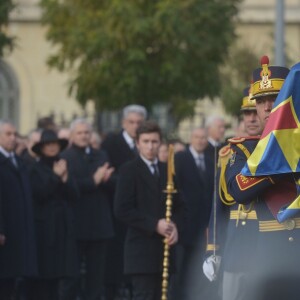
{"points": [[169, 191]]}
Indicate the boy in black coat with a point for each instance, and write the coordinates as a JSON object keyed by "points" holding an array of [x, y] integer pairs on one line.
{"points": [[140, 203]]}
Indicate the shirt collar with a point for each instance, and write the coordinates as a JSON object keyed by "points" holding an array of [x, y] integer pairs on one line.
{"points": [[195, 154], [149, 162], [129, 140], [6, 153], [87, 150], [213, 142]]}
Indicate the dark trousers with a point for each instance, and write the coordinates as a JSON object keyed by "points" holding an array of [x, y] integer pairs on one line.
{"points": [[42, 289], [148, 287], [7, 288], [92, 256], [190, 283]]}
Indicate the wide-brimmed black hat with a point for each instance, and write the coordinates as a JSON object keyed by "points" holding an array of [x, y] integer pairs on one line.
{"points": [[49, 136]]}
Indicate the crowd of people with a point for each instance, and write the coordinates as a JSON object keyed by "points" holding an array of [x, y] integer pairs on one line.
{"points": [[83, 217], [64, 219]]}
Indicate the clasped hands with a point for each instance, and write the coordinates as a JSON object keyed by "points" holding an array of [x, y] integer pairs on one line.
{"points": [[168, 230]]}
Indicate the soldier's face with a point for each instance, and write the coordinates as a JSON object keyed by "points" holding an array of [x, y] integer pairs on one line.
{"points": [[252, 123], [8, 137], [148, 145], [81, 135], [264, 106], [131, 123]]}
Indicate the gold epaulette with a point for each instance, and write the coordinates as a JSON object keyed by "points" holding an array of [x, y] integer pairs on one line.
{"points": [[224, 155], [224, 151], [238, 140]]}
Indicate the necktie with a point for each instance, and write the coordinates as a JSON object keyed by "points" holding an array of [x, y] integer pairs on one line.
{"points": [[200, 163], [134, 149], [13, 159], [154, 170]]}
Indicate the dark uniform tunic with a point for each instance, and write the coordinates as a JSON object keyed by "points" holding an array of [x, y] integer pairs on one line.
{"points": [[276, 265], [236, 229]]}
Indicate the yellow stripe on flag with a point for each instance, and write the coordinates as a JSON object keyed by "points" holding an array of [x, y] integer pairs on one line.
{"points": [[256, 156], [295, 204], [289, 142], [282, 103]]}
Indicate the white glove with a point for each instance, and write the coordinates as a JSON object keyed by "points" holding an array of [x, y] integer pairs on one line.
{"points": [[211, 267]]}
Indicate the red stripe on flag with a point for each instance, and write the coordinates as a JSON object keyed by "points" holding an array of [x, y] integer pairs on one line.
{"points": [[281, 118]]}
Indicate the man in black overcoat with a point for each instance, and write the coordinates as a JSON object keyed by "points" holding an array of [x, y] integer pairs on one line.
{"points": [[93, 215], [120, 148], [141, 204], [195, 175], [215, 126], [17, 241]]}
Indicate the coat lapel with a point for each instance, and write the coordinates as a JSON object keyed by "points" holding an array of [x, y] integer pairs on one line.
{"points": [[5, 161], [125, 148], [147, 176], [191, 161], [163, 176]]}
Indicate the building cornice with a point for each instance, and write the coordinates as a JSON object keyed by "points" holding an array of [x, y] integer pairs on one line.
{"points": [[29, 10]]}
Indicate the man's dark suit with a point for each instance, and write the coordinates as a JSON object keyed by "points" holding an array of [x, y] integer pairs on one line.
{"points": [[140, 203], [117, 150], [93, 215], [213, 151], [18, 255], [197, 189], [119, 153]]}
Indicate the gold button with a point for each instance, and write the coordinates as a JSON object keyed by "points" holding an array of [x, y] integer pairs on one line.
{"points": [[289, 224], [243, 223], [291, 239]]}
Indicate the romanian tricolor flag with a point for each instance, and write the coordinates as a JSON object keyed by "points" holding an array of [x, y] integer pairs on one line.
{"points": [[278, 150], [290, 211]]}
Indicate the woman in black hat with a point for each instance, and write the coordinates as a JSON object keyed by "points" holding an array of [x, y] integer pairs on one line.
{"points": [[54, 195]]}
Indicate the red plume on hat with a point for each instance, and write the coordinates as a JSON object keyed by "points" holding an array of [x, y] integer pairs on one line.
{"points": [[264, 60], [268, 80]]}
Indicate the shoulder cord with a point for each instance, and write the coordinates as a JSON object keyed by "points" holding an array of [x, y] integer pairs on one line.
{"points": [[243, 207], [215, 201]]}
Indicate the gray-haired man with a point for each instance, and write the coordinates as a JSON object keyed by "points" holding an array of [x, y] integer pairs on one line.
{"points": [[120, 148]]}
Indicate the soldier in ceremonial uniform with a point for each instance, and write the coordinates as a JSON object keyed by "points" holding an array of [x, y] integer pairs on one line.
{"points": [[236, 225], [276, 268]]}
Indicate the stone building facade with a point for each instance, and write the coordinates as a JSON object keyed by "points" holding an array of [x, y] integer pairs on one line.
{"points": [[29, 90]]}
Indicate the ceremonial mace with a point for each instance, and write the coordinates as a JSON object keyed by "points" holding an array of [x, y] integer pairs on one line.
{"points": [[169, 191]]}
